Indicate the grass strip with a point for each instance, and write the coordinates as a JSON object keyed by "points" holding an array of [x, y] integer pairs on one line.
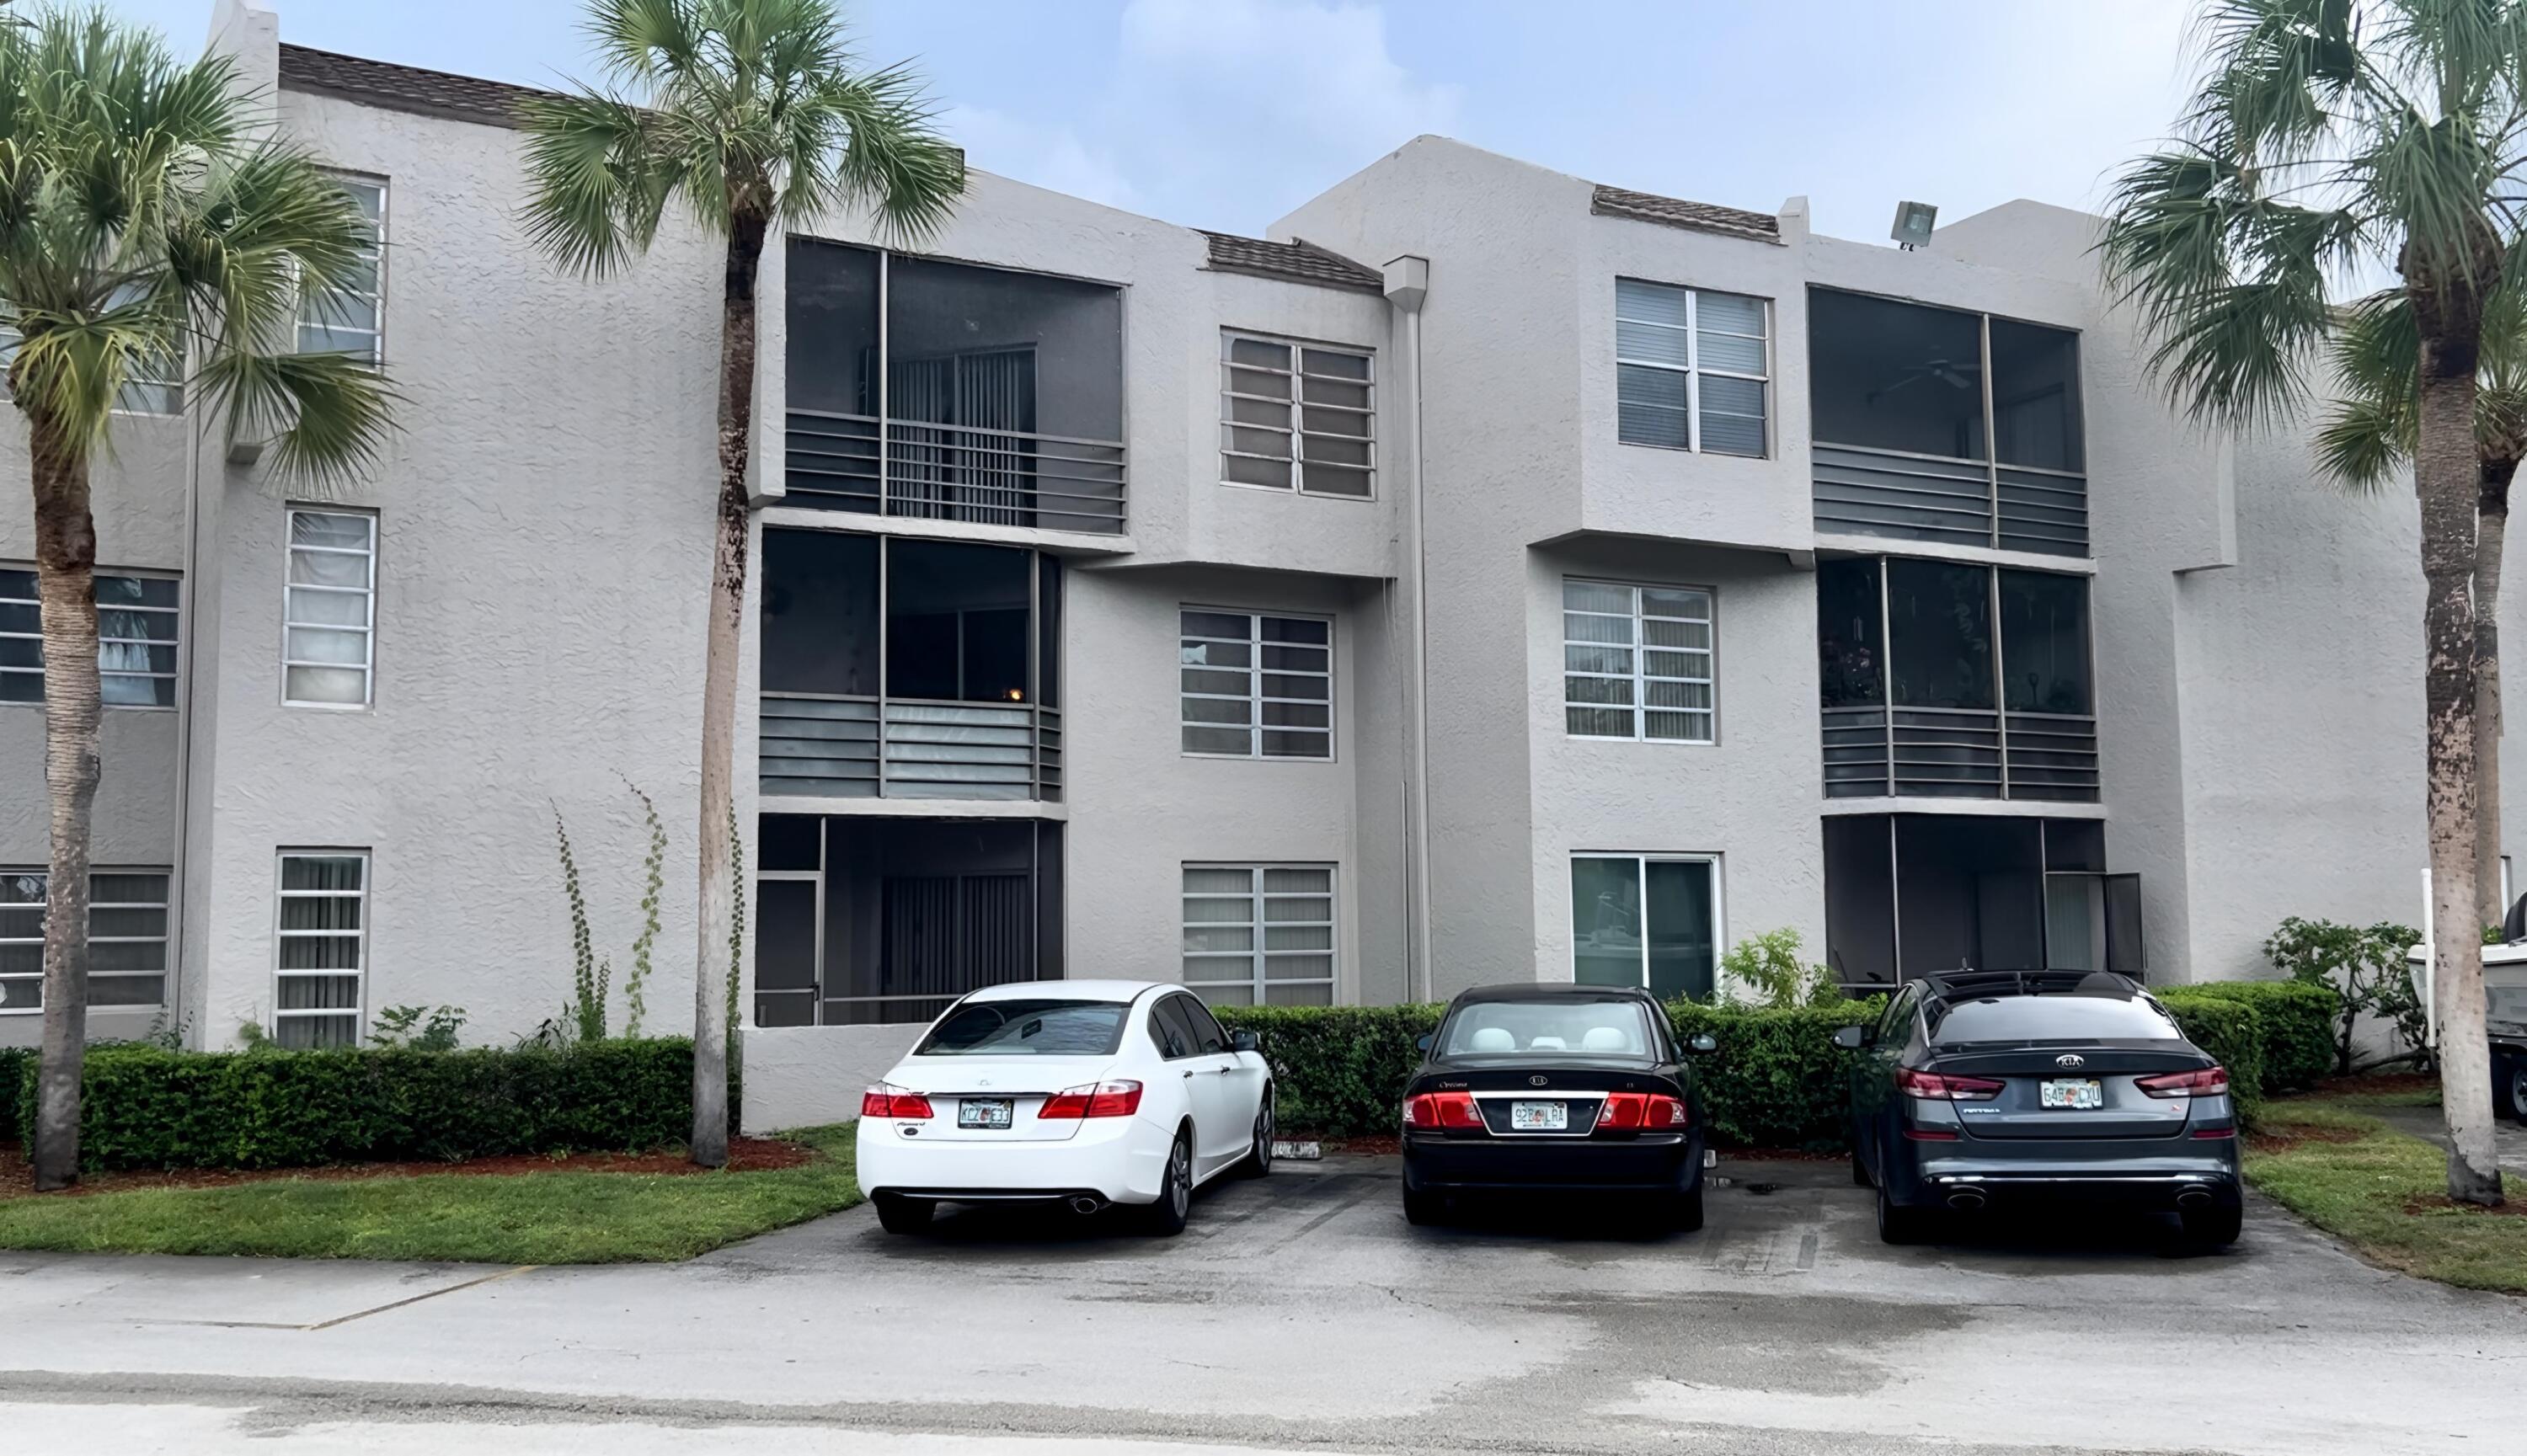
{"points": [[2385, 1193]]}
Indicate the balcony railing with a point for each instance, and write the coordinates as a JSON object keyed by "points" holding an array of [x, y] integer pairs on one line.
{"points": [[1869, 492], [954, 473], [818, 746], [1959, 753]]}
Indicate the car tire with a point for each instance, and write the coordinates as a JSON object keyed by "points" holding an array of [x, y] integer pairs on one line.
{"points": [[1859, 1167], [1685, 1211], [1166, 1217], [2511, 1089], [1898, 1224], [2214, 1228], [1259, 1157], [900, 1215], [1423, 1210]]}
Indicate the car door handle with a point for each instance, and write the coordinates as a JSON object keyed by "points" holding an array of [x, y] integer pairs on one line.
{"points": [[1188, 1074], [1224, 1071]]}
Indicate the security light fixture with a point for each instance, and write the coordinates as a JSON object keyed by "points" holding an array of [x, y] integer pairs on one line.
{"points": [[1913, 223]]}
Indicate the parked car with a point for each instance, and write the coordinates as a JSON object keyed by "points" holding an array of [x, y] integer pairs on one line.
{"points": [[2014, 1090], [2504, 1009], [1563, 1089], [1088, 1093]]}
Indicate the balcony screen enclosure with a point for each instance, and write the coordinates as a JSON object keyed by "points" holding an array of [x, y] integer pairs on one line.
{"points": [[1908, 895], [953, 392]]}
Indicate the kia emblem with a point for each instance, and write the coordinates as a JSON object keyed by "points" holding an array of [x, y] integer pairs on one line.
{"points": [[1537, 1081], [985, 1081], [2070, 1059]]}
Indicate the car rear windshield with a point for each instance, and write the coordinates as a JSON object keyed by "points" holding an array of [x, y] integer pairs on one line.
{"points": [[1610, 1028], [1027, 1029], [2050, 1018]]}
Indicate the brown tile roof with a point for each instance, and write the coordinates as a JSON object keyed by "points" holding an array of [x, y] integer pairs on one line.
{"points": [[1676, 212], [432, 93], [1300, 261]]}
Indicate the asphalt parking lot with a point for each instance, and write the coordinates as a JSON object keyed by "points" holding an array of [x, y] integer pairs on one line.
{"points": [[1302, 1311]]}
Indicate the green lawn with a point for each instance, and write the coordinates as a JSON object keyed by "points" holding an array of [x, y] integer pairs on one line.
{"points": [[537, 1218], [2359, 1187]]}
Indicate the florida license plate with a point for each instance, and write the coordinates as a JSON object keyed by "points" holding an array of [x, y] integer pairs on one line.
{"points": [[1539, 1117], [2073, 1093], [983, 1111]]}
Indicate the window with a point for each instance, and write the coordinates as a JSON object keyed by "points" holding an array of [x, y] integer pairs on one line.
{"points": [[1275, 395], [1035, 1026], [1207, 1038], [320, 945], [127, 929], [1255, 686], [330, 626], [1692, 369], [1645, 920], [1636, 662], [1260, 934], [135, 647], [1618, 1025], [351, 318]]}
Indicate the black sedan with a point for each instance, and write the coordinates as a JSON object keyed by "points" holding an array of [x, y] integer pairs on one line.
{"points": [[2027, 1089], [1527, 1089]]}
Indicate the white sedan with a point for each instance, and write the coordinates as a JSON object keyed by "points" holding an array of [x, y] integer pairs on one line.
{"points": [[1086, 1092]]}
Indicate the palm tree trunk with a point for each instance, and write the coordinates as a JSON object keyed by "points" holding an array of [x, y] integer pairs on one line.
{"points": [[719, 692], [2446, 472], [2491, 527], [66, 584]]}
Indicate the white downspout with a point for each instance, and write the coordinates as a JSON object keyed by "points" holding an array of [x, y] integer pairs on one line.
{"points": [[1407, 285]]}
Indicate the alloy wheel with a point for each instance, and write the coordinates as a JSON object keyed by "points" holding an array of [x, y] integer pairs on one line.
{"points": [[1180, 1179]]}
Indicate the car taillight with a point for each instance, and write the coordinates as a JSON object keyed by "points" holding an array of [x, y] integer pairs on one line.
{"points": [[2207, 1082], [1119, 1099], [1442, 1110], [2214, 1134], [1643, 1110], [884, 1101], [1939, 1088]]}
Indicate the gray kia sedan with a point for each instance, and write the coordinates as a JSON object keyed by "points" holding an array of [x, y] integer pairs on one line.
{"points": [[2018, 1091]]}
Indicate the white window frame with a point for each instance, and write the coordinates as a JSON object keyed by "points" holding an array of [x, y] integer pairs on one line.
{"points": [[1296, 433], [1255, 982], [376, 297], [358, 1011], [174, 613], [1693, 368], [1640, 676], [1254, 696], [368, 663], [1641, 861], [163, 940]]}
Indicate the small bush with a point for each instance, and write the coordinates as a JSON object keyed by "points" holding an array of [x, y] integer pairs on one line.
{"points": [[1776, 1079], [145, 1107], [1769, 966], [2297, 1025], [2231, 1031], [1338, 1070], [17, 1068], [2363, 967]]}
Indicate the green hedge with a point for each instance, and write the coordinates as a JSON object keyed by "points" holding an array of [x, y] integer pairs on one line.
{"points": [[144, 1107], [1338, 1070], [1776, 1079], [17, 1066], [2230, 1032], [2298, 1024]]}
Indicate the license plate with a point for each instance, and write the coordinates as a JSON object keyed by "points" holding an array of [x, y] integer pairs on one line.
{"points": [[1539, 1117], [2075, 1092], [991, 1112]]}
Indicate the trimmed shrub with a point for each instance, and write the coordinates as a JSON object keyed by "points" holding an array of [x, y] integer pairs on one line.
{"points": [[2297, 1023], [1338, 1070], [1776, 1079], [17, 1067], [145, 1107], [2231, 1031]]}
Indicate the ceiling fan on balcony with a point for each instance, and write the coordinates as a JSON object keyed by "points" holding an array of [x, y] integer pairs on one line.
{"points": [[1956, 375]]}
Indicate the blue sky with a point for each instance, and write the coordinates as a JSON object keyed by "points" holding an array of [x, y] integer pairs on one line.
{"points": [[1226, 113]]}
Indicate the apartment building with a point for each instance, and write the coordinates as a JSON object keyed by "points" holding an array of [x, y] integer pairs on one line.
{"points": [[1637, 573]]}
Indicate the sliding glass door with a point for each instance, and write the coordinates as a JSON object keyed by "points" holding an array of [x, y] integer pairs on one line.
{"points": [[1646, 921]]}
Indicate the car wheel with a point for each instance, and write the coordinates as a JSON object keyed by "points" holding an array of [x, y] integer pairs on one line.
{"points": [[2214, 1228], [1421, 1210], [1897, 1223], [1258, 1158], [2513, 1087], [1685, 1211], [1166, 1217], [1858, 1168], [900, 1215]]}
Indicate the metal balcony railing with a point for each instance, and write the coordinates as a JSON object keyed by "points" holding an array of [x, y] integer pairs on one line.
{"points": [[1860, 492], [820, 746], [954, 473], [1959, 753]]}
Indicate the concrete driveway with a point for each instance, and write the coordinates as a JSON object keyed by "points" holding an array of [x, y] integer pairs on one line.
{"points": [[1299, 1312]]}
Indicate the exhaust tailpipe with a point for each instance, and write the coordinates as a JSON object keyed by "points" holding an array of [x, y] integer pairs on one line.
{"points": [[1965, 1201], [2194, 1196], [1084, 1204]]}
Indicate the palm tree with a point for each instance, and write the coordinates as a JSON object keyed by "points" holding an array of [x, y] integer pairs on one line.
{"points": [[2325, 135], [2367, 441], [749, 114], [145, 229]]}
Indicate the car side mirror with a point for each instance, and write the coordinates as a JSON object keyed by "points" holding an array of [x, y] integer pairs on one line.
{"points": [[1421, 1043], [1851, 1038], [1245, 1042], [1702, 1042]]}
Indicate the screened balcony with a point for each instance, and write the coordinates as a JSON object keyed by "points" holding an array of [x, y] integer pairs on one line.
{"points": [[906, 668], [1932, 424], [1948, 681], [945, 391], [1908, 895]]}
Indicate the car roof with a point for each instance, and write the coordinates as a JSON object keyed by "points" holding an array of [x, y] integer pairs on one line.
{"points": [[1069, 990], [1554, 990]]}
